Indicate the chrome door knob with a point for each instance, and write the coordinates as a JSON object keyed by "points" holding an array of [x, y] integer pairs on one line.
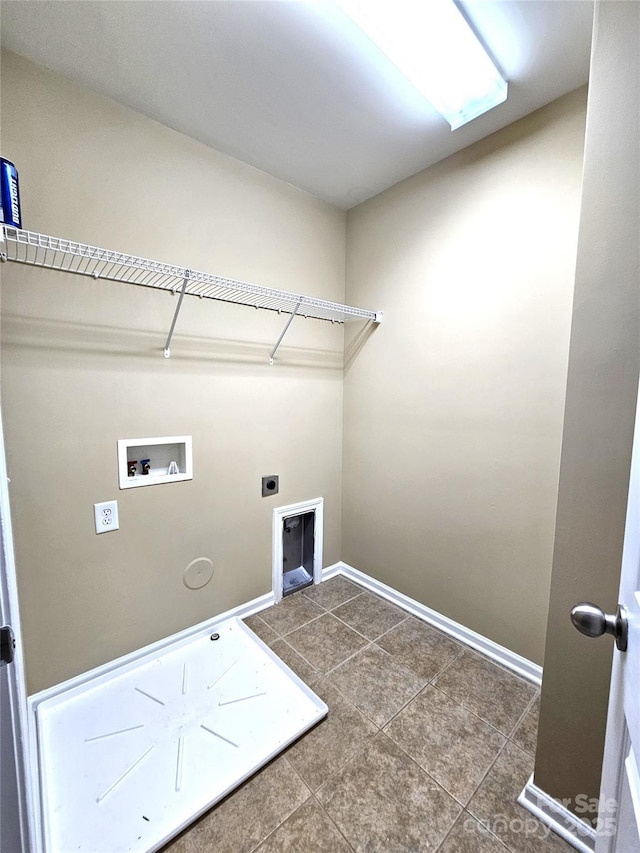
{"points": [[591, 620]]}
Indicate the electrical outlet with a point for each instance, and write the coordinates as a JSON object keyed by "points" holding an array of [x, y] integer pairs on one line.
{"points": [[270, 485], [106, 516]]}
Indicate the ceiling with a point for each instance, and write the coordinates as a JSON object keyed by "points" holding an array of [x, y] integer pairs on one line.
{"points": [[292, 87]]}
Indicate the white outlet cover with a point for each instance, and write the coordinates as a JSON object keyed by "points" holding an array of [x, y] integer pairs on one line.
{"points": [[106, 516]]}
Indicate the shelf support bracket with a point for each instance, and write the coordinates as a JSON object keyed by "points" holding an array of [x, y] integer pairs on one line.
{"points": [[284, 332], [167, 346]]}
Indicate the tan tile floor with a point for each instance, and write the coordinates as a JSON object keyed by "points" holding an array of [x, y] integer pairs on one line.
{"points": [[425, 748]]}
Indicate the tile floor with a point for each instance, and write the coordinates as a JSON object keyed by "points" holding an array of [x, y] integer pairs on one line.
{"points": [[426, 745]]}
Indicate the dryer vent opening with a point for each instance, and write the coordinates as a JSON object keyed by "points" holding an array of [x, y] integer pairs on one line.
{"points": [[298, 537], [296, 542]]}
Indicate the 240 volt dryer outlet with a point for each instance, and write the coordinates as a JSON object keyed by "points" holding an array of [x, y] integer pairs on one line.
{"points": [[270, 485]]}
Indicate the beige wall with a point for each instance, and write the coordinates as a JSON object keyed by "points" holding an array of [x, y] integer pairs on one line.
{"points": [[454, 405], [82, 366], [600, 412]]}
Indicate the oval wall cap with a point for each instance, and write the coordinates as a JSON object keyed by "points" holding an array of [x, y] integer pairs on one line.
{"points": [[198, 573]]}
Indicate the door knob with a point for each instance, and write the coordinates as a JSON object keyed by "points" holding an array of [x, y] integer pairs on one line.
{"points": [[594, 622]]}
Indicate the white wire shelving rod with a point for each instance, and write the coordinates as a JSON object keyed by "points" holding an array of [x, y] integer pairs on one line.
{"points": [[167, 346], [282, 334], [32, 248], [56, 253]]}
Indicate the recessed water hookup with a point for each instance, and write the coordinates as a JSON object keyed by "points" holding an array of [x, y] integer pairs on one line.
{"points": [[270, 485], [148, 461]]}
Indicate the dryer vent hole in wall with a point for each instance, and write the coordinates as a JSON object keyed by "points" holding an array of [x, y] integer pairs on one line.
{"points": [[298, 535], [297, 540]]}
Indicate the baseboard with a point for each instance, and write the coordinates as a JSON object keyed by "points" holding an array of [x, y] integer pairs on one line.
{"points": [[557, 817], [242, 611], [527, 669], [505, 657], [332, 571]]}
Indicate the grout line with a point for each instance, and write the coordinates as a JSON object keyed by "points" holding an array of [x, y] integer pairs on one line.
{"points": [[368, 639], [512, 662], [442, 843], [333, 668], [471, 651], [388, 631], [331, 820], [521, 720], [379, 598], [416, 694], [300, 655], [469, 815], [267, 626], [351, 628], [449, 664], [430, 776], [351, 598], [419, 693], [429, 682], [421, 768], [441, 784], [471, 711], [346, 601], [448, 833], [382, 730], [323, 673], [276, 828], [462, 651], [395, 657], [489, 769], [296, 771], [506, 740], [291, 630], [400, 710], [475, 713], [331, 609], [351, 758]]}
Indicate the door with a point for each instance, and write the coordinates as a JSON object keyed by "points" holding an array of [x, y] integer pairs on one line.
{"points": [[619, 815], [13, 716], [10, 832]]}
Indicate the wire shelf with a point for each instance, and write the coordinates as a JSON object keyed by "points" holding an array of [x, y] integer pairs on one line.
{"points": [[41, 250]]}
